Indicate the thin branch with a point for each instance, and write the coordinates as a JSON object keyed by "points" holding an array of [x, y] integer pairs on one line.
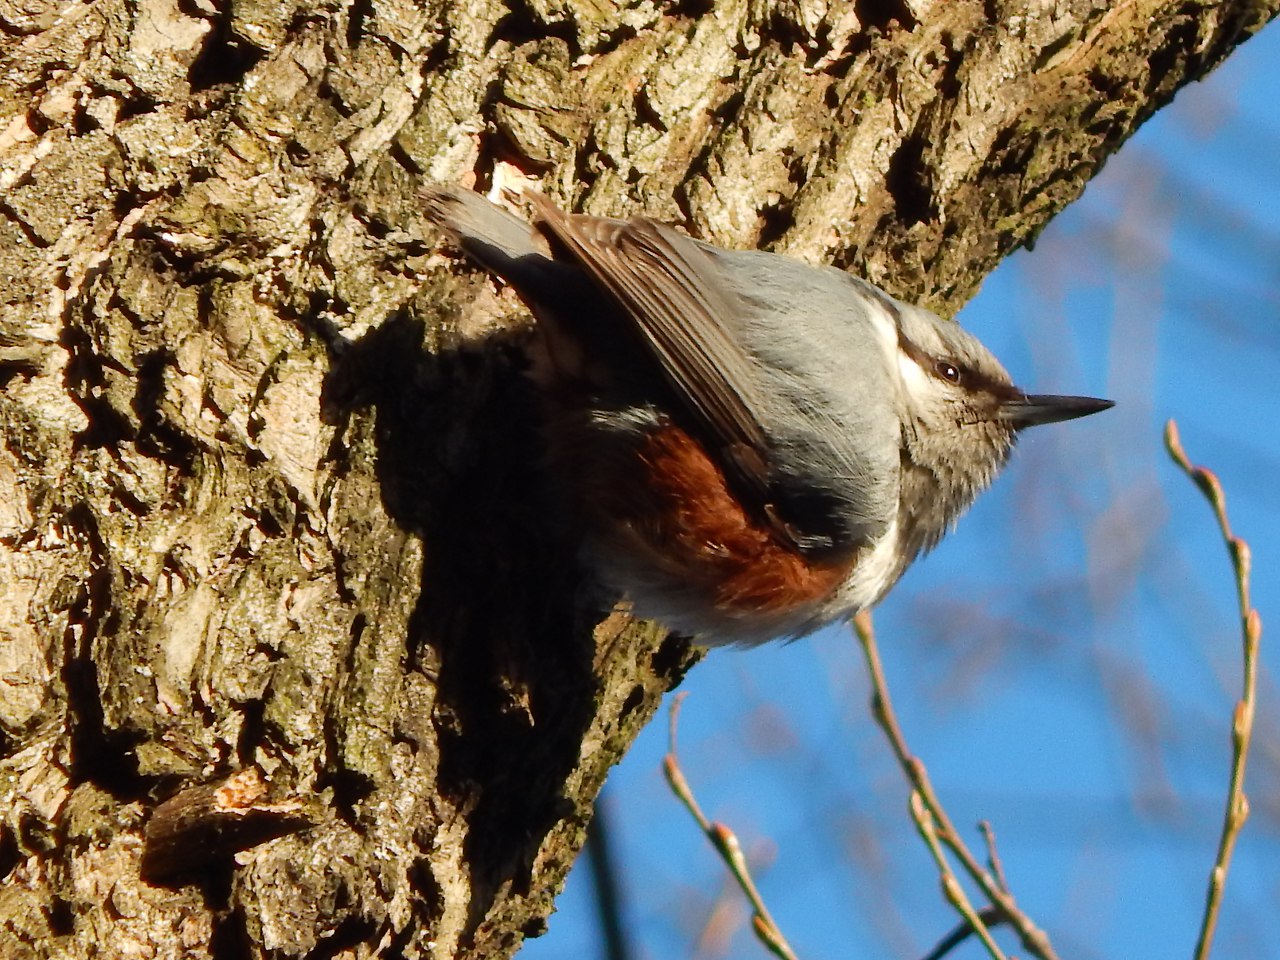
{"points": [[726, 844], [604, 877], [993, 857], [1034, 940], [1237, 808], [991, 916], [951, 887]]}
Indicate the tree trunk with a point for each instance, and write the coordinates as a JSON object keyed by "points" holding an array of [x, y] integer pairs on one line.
{"points": [[292, 661]]}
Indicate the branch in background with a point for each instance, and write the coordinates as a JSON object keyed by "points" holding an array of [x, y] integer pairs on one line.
{"points": [[1035, 940], [604, 878], [726, 844], [993, 857], [1237, 810], [991, 916], [951, 886]]}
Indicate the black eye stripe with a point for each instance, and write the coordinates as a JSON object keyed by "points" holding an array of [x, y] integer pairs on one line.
{"points": [[972, 380], [940, 367]]}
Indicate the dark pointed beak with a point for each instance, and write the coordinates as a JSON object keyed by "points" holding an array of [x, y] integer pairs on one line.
{"points": [[1031, 410]]}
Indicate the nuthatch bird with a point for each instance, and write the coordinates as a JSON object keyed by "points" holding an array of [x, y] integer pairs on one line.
{"points": [[755, 447]]}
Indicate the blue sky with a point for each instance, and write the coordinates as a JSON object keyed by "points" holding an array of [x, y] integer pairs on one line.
{"points": [[1067, 661]]}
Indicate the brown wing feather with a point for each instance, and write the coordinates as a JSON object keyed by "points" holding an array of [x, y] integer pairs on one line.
{"points": [[679, 309]]}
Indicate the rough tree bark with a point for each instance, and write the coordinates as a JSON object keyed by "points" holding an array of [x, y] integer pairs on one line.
{"points": [[290, 662]]}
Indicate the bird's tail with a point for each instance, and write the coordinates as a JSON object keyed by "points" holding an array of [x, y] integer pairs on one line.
{"points": [[488, 234]]}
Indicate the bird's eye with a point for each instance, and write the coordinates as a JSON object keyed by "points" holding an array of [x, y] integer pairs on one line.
{"points": [[947, 370]]}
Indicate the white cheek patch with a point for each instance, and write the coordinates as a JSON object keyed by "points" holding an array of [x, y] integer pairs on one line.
{"points": [[886, 328], [915, 379]]}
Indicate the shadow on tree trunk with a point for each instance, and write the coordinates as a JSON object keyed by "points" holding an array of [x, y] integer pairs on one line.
{"points": [[497, 625]]}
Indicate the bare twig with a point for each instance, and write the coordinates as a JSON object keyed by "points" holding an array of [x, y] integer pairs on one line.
{"points": [[993, 858], [604, 877], [991, 916], [1237, 809], [726, 844], [1034, 940], [951, 887]]}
